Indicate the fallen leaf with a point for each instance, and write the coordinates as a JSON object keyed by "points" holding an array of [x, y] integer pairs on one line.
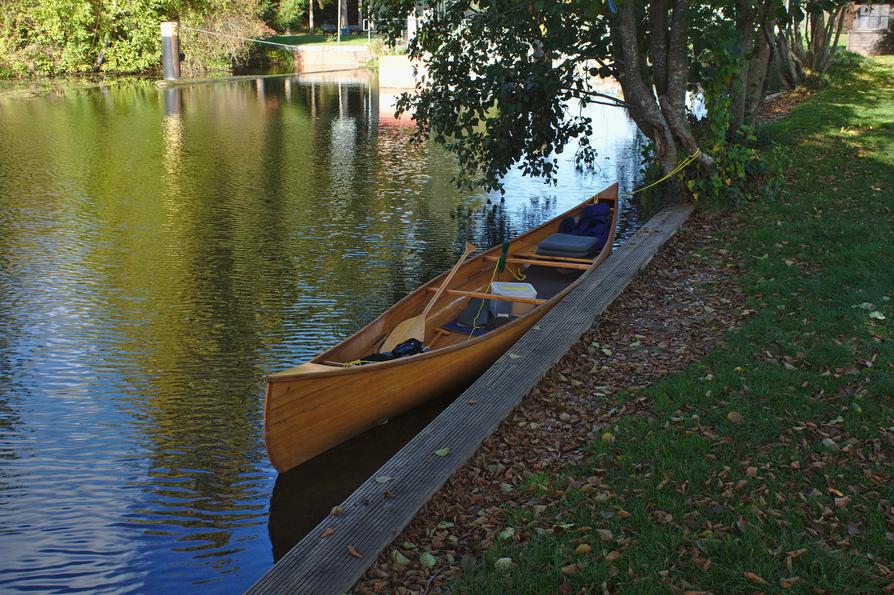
{"points": [[353, 551], [327, 532], [336, 510], [507, 533], [877, 315], [383, 479], [399, 558], [734, 416], [612, 556], [427, 560], [604, 534], [584, 548], [755, 578], [514, 356], [570, 569], [830, 444], [503, 563], [442, 452], [788, 583], [751, 471]]}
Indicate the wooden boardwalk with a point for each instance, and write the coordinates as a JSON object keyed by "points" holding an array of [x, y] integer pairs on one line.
{"points": [[369, 521]]}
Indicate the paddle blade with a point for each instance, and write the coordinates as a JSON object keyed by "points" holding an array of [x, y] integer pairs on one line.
{"points": [[411, 328]]}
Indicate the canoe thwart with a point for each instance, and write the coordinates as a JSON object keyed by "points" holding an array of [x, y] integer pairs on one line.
{"points": [[562, 258], [542, 263], [490, 296]]}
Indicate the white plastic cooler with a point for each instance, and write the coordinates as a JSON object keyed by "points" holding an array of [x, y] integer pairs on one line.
{"points": [[511, 289]]}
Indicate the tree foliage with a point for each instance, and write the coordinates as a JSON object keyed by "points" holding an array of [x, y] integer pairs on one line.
{"points": [[73, 36], [506, 79]]}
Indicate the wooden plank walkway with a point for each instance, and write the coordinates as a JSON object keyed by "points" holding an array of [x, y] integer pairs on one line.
{"points": [[369, 521]]}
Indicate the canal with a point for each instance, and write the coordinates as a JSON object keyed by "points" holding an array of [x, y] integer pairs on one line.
{"points": [[161, 250]]}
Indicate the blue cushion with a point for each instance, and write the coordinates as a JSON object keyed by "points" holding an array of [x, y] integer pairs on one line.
{"points": [[564, 244]]}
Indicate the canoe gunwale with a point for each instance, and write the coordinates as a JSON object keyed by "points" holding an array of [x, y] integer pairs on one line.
{"points": [[610, 193]]}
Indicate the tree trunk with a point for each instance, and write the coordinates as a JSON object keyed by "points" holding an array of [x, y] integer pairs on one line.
{"points": [[739, 84], [790, 68], [673, 102], [658, 42], [756, 88], [310, 16], [662, 118], [639, 98], [817, 47]]}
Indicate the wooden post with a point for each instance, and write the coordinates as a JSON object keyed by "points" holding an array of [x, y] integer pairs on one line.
{"points": [[170, 51], [338, 23]]}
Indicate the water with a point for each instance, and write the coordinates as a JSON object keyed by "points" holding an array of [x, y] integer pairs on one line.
{"points": [[160, 251]]}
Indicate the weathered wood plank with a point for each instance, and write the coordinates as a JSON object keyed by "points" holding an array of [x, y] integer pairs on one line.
{"points": [[369, 521]]}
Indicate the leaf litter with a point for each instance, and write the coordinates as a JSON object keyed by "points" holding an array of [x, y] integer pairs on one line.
{"points": [[673, 314]]}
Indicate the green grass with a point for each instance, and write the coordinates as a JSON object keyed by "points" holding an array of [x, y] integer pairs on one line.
{"points": [[319, 39], [683, 508]]}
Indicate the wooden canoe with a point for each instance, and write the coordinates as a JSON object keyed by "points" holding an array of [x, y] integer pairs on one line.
{"points": [[316, 405]]}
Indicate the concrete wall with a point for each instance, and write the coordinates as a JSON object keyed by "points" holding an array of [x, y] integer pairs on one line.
{"points": [[871, 43], [330, 57], [396, 72]]}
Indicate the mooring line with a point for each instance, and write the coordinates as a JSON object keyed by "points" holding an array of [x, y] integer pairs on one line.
{"points": [[282, 45]]}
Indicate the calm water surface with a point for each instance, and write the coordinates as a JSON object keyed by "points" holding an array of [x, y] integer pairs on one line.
{"points": [[160, 251]]}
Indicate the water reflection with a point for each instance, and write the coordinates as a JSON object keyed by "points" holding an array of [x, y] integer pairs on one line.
{"points": [[162, 249]]}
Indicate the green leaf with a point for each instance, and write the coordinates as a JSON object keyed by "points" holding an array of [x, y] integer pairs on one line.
{"points": [[427, 559], [442, 452]]}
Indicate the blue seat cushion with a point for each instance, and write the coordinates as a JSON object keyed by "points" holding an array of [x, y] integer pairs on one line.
{"points": [[565, 244]]}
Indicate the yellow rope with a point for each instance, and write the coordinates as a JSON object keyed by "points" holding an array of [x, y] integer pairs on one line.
{"points": [[689, 159], [357, 362], [481, 305], [518, 276]]}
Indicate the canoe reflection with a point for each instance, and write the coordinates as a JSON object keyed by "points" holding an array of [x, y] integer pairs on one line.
{"points": [[303, 497]]}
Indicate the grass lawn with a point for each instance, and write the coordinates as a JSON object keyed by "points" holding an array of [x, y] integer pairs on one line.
{"points": [[319, 39], [768, 464]]}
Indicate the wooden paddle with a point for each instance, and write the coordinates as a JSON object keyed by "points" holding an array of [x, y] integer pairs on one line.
{"points": [[414, 328]]}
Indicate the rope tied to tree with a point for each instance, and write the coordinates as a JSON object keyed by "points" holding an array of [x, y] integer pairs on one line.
{"points": [[683, 164]]}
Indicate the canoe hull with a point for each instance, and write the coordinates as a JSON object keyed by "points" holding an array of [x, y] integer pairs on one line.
{"points": [[316, 405], [313, 413]]}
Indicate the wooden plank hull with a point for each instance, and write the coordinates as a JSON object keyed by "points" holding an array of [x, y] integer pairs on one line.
{"points": [[313, 414], [315, 406]]}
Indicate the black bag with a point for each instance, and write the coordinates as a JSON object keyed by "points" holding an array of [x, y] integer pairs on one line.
{"points": [[405, 349]]}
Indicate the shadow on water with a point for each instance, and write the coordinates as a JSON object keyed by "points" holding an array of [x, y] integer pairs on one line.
{"points": [[303, 496]]}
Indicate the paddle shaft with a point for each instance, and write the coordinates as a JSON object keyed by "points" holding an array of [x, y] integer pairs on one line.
{"points": [[414, 328], [468, 250]]}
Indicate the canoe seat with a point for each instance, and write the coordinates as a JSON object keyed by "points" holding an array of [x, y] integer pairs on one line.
{"points": [[565, 244]]}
